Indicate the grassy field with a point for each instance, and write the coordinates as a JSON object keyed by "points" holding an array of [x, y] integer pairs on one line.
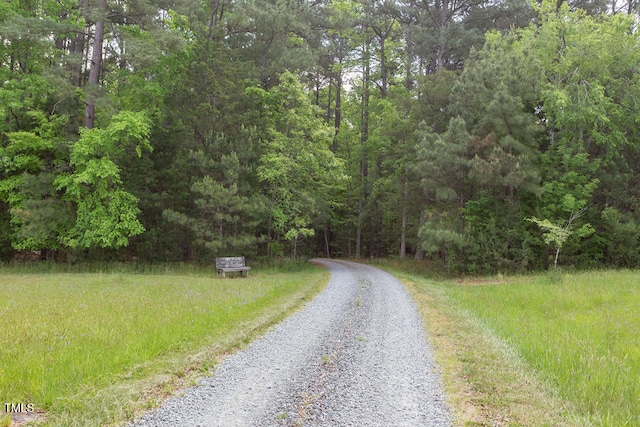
{"points": [[582, 334], [95, 348], [537, 350]]}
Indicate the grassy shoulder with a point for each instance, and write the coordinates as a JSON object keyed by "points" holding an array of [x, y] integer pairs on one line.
{"points": [[536, 350], [98, 348], [486, 381]]}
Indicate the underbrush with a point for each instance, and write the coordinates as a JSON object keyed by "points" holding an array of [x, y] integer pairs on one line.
{"points": [[262, 264]]}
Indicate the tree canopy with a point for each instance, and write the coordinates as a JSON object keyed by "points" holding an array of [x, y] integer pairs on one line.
{"points": [[483, 135]]}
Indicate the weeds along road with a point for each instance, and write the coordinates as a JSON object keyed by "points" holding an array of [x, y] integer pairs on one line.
{"points": [[354, 356]]}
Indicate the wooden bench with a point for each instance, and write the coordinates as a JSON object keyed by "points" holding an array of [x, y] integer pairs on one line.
{"points": [[231, 264]]}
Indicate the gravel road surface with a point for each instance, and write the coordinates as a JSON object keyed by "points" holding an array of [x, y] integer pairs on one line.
{"points": [[354, 356]]}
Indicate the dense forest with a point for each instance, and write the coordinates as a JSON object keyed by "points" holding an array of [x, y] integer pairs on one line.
{"points": [[484, 135]]}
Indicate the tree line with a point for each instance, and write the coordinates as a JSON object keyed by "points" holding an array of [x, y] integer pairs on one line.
{"points": [[484, 135]]}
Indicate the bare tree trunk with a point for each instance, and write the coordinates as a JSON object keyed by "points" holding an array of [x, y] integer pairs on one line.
{"points": [[317, 95], [221, 230], [295, 247], [96, 65], [360, 211], [212, 21], [423, 219], [383, 69], [364, 137], [78, 50], [383, 34], [408, 83], [326, 242], [442, 42], [405, 201], [338, 112]]}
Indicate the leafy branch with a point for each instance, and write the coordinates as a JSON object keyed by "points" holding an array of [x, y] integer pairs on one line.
{"points": [[556, 235]]}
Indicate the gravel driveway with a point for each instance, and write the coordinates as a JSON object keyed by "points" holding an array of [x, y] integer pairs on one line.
{"points": [[354, 356]]}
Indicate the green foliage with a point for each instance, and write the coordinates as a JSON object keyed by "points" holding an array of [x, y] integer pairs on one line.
{"points": [[41, 218], [545, 133], [224, 220], [106, 214], [441, 162], [461, 120], [570, 183], [554, 234], [297, 167], [443, 167], [31, 160], [557, 234], [621, 233], [584, 99], [437, 238]]}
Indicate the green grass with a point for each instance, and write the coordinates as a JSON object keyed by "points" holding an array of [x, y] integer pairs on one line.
{"points": [[581, 333], [96, 348], [539, 350]]}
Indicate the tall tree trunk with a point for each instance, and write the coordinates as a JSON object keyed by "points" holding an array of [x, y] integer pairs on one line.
{"points": [[295, 247], [364, 137], [408, 83], [78, 50], [317, 95], [327, 234], [338, 113], [423, 219], [363, 183], [442, 42], [96, 65], [383, 68], [383, 34], [217, 12], [405, 190], [405, 202]]}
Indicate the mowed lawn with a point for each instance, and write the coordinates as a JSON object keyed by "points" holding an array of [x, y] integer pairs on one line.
{"points": [[82, 347], [580, 333]]}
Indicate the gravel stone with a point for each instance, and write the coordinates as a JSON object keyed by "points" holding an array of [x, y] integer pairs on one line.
{"points": [[354, 356]]}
